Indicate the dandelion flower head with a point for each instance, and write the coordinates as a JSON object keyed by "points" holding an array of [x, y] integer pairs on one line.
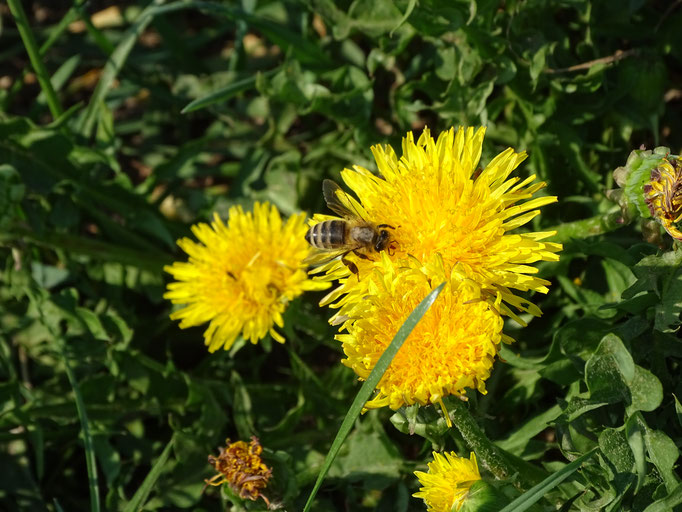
{"points": [[453, 347], [240, 466], [240, 276], [447, 482], [440, 202], [663, 195]]}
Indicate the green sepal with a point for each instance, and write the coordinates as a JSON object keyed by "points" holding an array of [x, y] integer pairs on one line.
{"points": [[483, 497], [635, 174]]}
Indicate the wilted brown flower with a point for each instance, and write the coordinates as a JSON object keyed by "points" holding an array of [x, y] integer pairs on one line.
{"points": [[240, 466]]}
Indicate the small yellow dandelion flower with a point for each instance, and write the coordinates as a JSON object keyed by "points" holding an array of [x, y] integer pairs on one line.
{"points": [[663, 195], [453, 347], [240, 276], [440, 202], [447, 483], [240, 466]]}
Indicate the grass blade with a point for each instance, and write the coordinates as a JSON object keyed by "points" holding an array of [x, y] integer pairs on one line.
{"points": [[527, 499], [116, 61], [371, 383], [140, 497], [34, 56], [90, 459], [95, 503], [223, 94]]}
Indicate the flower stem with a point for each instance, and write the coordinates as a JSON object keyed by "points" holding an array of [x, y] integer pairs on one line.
{"points": [[586, 228], [501, 464], [34, 56]]}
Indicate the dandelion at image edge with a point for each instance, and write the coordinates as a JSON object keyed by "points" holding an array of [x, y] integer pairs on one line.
{"points": [[240, 466], [663, 195], [240, 276], [447, 482], [439, 201]]}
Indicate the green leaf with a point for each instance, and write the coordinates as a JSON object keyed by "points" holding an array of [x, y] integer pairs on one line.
{"points": [[517, 440], [613, 444], [663, 453], [371, 383], [668, 312], [634, 432], [609, 370], [538, 63], [666, 504], [653, 271], [368, 456], [646, 391], [678, 410]]}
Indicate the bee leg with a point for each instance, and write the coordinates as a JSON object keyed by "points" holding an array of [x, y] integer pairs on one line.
{"points": [[351, 266], [385, 226]]}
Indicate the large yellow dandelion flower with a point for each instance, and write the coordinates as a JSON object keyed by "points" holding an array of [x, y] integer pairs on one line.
{"points": [[439, 201], [447, 483], [240, 276], [453, 347]]}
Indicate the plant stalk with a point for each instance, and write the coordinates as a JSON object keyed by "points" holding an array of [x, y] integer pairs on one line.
{"points": [[586, 228], [502, 465]]}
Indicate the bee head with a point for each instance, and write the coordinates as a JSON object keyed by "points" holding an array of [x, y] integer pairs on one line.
{"points": [[383, 237]]}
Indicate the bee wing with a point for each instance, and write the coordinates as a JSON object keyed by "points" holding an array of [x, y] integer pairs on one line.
{"points": [[338, 201]]}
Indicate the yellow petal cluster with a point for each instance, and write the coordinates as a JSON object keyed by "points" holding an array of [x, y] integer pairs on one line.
{"points": [[447, 483], [240, 276], [452, 348], [441, 202], [451, 221]]}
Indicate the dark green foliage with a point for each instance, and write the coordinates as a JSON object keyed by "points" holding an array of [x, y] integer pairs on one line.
{"points": [[169, 111]]}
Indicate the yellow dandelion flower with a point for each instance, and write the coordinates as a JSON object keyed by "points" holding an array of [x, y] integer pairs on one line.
{"points": [[663, 196], [240, 466], [447, 483], [440, 202], [240, 276], [453, 347]]}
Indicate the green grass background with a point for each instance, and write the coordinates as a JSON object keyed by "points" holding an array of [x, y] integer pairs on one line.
{"points": [[160, 113]]}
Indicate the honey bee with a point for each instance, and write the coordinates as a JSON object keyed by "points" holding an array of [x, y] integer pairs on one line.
{"points": [[352, 234]]}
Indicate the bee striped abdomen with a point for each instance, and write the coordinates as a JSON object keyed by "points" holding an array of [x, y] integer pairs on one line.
{"points": [[330, 234]]}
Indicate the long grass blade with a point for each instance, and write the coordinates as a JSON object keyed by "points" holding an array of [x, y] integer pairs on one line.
{"points": [[533, 495], [34, 56], [116, 61], [223, 94], [95, 502], [369, 385], [140, 497]]}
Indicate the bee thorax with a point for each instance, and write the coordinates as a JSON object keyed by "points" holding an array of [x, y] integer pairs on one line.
{"points": [[363, 235]]}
